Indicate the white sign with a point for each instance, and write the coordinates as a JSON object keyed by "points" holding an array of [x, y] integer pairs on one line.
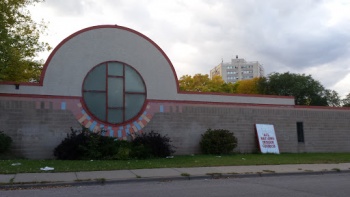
{"points": [[267, 138]]}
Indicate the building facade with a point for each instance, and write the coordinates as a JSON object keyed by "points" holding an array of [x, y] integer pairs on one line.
{"points": [[238, 69], [103, 77]]}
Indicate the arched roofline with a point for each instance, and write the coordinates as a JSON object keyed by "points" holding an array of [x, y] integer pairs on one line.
{"points": [[52, 54]]}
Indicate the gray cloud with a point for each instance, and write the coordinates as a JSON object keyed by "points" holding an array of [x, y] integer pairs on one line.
{"points": [[66, 7], [283, 35]]}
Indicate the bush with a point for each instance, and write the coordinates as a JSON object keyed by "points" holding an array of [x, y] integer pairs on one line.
{"points": [[86, 145], [148, 145], [69, 148], [124, 150], [99, 147], [218, 141], [5, 142]]}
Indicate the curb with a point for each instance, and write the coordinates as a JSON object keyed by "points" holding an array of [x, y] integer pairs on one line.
{"points": [[161, 179]]}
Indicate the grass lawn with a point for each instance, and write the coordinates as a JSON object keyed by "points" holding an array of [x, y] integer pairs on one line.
{"points": [[7, 166]]}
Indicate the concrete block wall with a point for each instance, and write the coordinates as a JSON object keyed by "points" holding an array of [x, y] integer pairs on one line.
{"points": [[325, 130], [35, 130], [38, 125]]}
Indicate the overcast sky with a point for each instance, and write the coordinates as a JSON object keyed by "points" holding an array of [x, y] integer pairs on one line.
{"points": [[299, 36]]}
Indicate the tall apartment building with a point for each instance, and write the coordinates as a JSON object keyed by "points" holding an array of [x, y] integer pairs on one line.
{"points": [[238, 69]]}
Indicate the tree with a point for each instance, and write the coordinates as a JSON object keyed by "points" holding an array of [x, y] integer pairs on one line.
{"points": [[229, 87], [201, 83], [249, 86], [346, 101], [19, 42], [333, 98], [304, 88]]}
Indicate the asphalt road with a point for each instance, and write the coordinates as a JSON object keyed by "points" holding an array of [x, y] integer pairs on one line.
{"points": [[299, 185]]}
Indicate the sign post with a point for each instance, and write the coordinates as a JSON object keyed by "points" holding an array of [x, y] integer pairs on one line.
{"points": [[267, 138]]}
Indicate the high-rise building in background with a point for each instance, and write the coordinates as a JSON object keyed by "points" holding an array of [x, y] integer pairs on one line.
{"points": [[237, 69]]}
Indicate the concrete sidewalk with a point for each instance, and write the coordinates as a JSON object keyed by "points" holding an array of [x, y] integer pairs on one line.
{"points": [[164, 174]]}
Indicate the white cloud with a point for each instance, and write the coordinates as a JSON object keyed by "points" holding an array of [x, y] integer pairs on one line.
{"points": [[302, 36], [343, 85]]}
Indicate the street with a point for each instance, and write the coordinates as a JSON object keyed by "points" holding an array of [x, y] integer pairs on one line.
{"points": [[331, 185]]}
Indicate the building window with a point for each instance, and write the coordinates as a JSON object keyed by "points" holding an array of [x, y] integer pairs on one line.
{"points": [[247, 72], [114, 92], [300, 131]]}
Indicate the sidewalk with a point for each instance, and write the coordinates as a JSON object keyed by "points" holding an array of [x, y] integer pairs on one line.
{"points": [[164, 174]]}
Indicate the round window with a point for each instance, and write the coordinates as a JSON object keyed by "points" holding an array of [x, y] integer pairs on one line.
{"points": [[114, 92]]}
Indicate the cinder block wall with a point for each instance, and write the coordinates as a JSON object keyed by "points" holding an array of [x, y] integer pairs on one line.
{"points": [[325, 130], [35, 131], [37, 127]]}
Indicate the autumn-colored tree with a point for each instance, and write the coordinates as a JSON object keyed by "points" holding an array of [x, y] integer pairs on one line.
{"points": [[201, 83], [229, 88], [305, 89], [19, 42], [249, 86], [216, 84]]}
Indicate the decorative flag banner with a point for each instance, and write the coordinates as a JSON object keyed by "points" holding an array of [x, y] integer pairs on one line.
{"points": [[267, 138]]}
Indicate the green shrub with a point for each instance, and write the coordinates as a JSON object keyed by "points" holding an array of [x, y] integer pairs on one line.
{"points": [[70, 147], [148, 145], [218, 141], [99, 147], [124, 150], [86, 145], [141, 151], [5, 142]]}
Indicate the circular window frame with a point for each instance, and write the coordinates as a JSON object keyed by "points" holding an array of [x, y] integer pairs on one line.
{"points": [[124, 109]]}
